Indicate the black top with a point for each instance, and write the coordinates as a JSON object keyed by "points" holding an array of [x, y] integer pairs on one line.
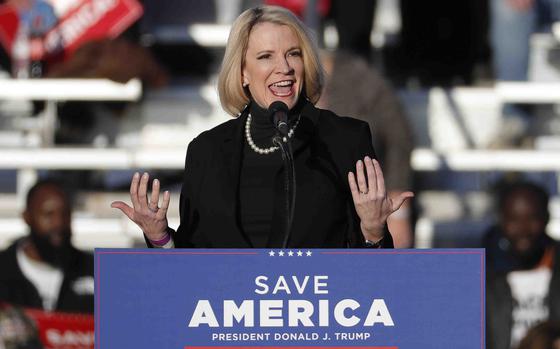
{"points": [[325, 146], [258, 174]]}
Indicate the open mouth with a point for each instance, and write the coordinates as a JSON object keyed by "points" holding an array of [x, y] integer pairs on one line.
{"points": [[282, 88]]}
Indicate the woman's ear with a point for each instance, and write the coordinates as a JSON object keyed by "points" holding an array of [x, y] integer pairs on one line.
{"points": [[244, 78]]}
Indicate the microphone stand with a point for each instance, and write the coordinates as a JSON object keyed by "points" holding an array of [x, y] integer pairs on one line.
{"points": [[289, 182]]}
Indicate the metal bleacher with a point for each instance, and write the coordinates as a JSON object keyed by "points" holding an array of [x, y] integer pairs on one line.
{"points": [[454, 130], [176, 111]]}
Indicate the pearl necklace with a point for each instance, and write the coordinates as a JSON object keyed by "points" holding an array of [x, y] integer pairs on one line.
{"points": [[265, 150]]}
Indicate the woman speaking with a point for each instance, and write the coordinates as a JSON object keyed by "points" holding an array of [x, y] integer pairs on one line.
{"points": [[233, 193]]}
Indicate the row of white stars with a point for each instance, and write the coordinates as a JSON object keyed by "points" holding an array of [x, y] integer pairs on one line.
{"points": [[290, 253]]}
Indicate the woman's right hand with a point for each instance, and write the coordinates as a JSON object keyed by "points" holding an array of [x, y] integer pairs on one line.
{"points": [[147, 215]]}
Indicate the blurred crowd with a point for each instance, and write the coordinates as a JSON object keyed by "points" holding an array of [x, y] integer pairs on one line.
{"points": [[441, 43]]}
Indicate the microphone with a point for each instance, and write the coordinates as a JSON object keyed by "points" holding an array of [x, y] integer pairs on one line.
{"points": [[278, 113]]}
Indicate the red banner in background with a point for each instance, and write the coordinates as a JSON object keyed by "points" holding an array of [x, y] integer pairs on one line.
{"points": [[93, 19], [76, 22], [299, 6], [63, 331], [9, 22]]}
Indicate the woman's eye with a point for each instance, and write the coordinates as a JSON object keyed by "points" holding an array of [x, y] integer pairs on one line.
{"points": [[266, 56], [295, 53]]}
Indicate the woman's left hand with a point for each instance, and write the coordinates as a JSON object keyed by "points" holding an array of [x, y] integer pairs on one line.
{"points": [[371, 201]]}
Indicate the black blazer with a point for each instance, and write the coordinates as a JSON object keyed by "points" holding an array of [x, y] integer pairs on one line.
{"points": [[327, 148]]}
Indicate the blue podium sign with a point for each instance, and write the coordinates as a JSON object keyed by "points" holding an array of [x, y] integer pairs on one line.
{"points": [[194, 299]]}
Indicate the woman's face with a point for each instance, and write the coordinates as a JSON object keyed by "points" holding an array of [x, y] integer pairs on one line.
{"points": [[273, 68]]}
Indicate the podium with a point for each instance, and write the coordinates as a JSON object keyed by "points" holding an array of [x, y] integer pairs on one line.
{"points": [[289, 298]]}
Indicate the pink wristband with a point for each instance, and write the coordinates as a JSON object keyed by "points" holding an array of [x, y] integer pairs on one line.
{"points": [[161, 242]]}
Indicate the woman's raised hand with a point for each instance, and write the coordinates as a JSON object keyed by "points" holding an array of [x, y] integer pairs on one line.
{"points": [[151, 218], [371, 201]]}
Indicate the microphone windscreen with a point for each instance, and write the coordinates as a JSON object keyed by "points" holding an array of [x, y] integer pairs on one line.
{"points": [[278, 106], [278, 114], [278, 111]]}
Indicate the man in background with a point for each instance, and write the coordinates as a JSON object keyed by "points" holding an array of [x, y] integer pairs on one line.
{"points": [[522, 266], [43, 270]]}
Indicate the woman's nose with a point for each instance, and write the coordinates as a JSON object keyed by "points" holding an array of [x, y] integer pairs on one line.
{"points": [[283, 66]]}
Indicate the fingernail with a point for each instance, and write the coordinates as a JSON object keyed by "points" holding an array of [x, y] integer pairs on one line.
{"points": [[136, 175], [145, 174], [367, 158], [156, 181]]}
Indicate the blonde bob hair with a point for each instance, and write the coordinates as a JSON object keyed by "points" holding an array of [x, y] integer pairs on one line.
{"points": [[233, 96]]}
